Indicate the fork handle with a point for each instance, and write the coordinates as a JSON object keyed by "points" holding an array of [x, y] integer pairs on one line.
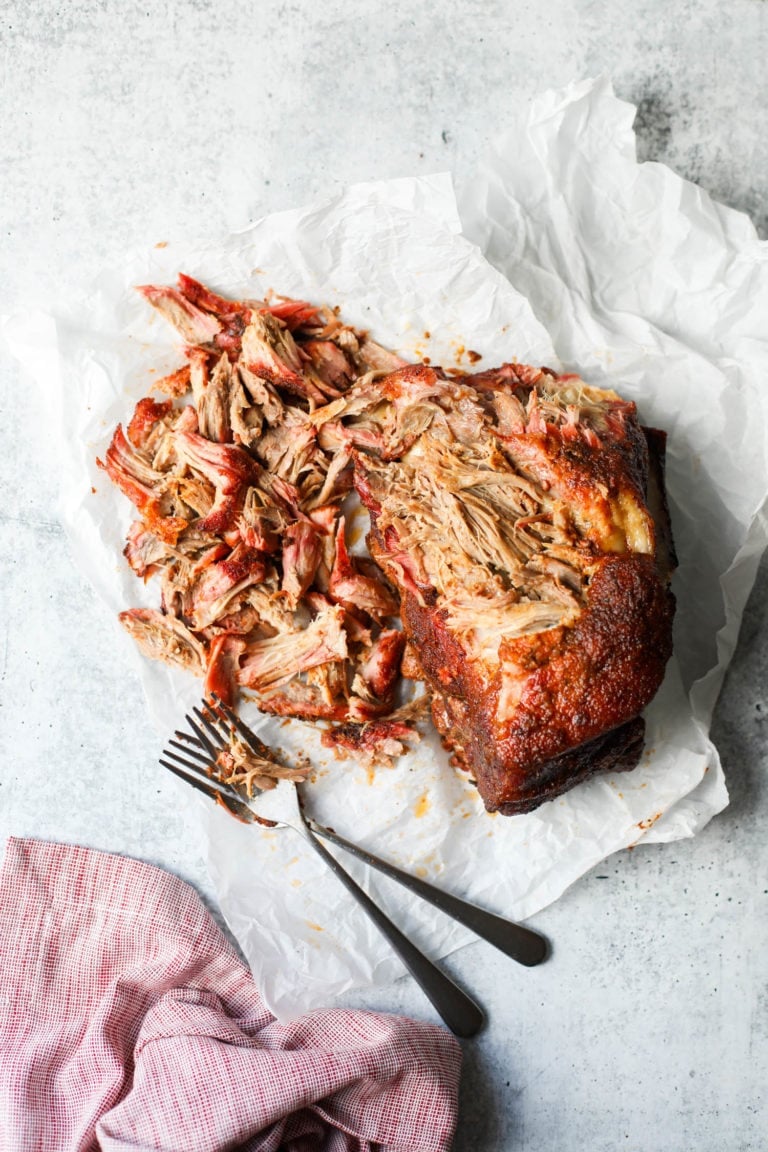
{"points": [[456, 1008], [522, 944]]}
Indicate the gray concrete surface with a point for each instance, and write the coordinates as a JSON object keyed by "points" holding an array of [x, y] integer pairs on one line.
{"points": [[124, 123]]}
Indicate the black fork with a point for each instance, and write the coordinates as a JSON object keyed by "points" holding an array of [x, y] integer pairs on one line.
{"points": [[200, 770], [457, 1009], [520, 943], [210, 732]]}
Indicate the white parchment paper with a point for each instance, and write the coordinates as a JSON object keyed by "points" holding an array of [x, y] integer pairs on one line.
{"points": [[391, 256], [647, 285]]}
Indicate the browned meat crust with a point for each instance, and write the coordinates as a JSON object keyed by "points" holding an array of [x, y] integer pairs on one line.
{"points": [[584, 688], [555, 705], [616, 751]]}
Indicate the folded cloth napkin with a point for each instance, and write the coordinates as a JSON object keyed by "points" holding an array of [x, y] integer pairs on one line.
{"points": [[127, 1021]]}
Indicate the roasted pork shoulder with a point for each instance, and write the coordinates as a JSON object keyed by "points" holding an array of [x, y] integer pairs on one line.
{"points": [[518, 526], [511, 509]]}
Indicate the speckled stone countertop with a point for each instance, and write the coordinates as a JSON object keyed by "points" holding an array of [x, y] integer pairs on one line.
{"points": [[125, 123]]}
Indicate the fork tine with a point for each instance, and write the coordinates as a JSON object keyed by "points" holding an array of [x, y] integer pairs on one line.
{"points": [[210, 783], [205, 760], [198, 769], [258, 746], [202, 739], [212, 729], [192, 740], [195, 781], [214, 790], [188, 739]]}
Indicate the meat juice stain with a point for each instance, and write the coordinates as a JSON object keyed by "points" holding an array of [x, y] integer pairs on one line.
{"points": [[423, 805]]}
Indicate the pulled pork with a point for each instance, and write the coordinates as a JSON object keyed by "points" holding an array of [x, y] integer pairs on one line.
{"points": [[510, 526], [240, 766], [239, 517]]}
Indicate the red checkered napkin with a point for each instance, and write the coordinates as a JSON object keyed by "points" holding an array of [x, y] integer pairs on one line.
{"points": [[127, 1021]]}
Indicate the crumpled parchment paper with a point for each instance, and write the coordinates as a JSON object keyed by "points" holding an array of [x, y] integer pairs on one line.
{"points": [[647, 285], [639, 282]]}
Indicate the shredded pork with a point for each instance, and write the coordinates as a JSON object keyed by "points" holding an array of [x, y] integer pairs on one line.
{"points": [[493, 500], [240, 512], [240, 766]]}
